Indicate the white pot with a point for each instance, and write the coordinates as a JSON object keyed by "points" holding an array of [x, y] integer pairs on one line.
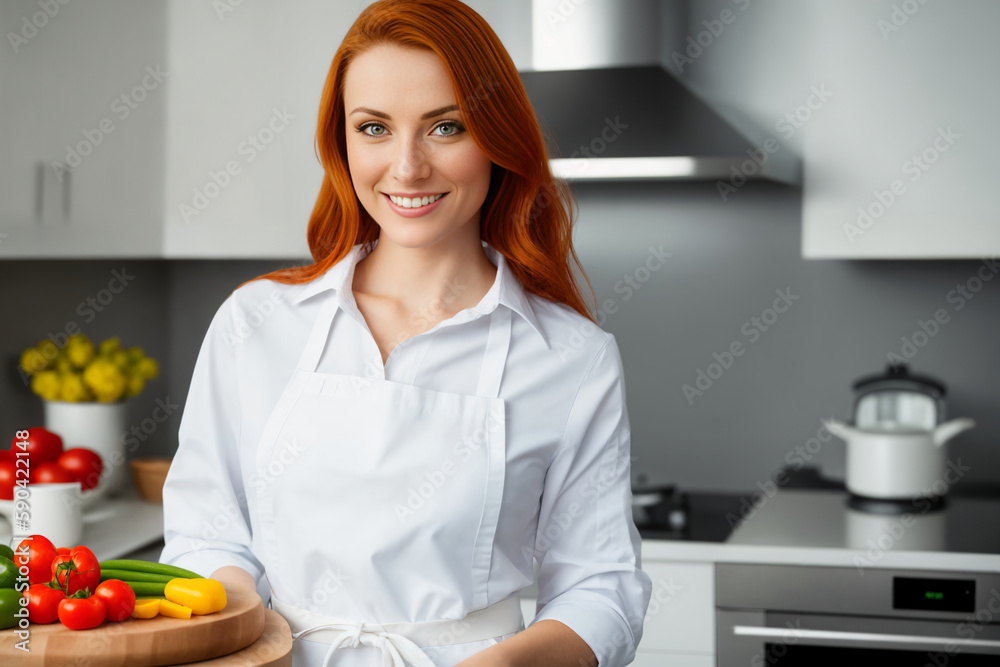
{"points": [[96, 426], [897, 465]]}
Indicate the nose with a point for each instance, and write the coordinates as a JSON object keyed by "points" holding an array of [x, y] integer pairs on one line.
{"points": [[410, 162]]}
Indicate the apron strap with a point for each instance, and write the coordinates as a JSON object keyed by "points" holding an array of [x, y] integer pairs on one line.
{"points": [[318, 336], [495, 358]]}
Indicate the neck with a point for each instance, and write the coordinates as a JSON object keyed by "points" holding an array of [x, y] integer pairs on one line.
{"points": [[455, 271]]}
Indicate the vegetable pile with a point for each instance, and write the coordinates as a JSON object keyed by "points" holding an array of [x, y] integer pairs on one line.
{"points": [[47, 462], [71, 586]]}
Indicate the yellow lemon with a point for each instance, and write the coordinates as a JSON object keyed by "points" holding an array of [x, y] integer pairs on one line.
{"points": [[32, 361], [105, 379], [134, 384], [121, 359], [110, 345], [48, 350], [80, 353], [136, 354], [148, 368], [73, 389], [46, 384]]}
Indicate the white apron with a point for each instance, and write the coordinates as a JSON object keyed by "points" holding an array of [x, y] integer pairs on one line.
{"points": [[378, 519]]}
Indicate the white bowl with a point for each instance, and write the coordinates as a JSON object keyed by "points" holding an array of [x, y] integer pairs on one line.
{"points": [[87, 499]]}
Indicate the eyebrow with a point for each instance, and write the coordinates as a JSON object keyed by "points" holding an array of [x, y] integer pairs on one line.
{"points": [[429, 114]]}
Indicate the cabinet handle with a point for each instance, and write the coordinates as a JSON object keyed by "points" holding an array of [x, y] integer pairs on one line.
{"points": [[39, 189], [66, 192]]}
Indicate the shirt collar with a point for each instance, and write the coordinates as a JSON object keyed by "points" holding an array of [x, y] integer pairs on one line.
{"points": [[506, 289]]}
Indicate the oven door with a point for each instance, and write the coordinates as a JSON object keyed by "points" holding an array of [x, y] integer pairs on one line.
{"points": [[771, 639]]}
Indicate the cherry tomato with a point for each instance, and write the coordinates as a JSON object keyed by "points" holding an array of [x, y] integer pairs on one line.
{"points": [[37, 552], [80, 567], [81, 613], [50, 472], [42, 445], [8, 479], [84, 464], [119, 599], [43, 603]]}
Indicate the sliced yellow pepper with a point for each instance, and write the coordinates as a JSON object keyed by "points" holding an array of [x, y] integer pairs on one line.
{"points": [[203, 596], [146, 608], [174, 610]]}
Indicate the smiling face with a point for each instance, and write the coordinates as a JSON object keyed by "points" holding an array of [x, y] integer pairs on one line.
{"points": [[415, 168]]}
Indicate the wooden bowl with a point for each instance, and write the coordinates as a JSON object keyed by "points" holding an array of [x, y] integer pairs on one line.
{"points": [[149, 474]]}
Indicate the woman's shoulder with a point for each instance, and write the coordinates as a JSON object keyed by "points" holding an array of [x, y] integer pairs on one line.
{"points": [[568, 333]]}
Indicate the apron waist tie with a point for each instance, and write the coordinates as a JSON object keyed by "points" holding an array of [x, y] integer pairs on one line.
{"points": [[400, 642]]}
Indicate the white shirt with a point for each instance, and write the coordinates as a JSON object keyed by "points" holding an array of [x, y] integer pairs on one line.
{"points": [[568, 487]]}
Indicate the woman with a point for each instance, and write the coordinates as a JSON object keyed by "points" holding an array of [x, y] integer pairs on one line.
{"points": [[393, 433]]}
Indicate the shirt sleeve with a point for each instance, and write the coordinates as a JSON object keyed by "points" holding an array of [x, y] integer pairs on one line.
{"points": [[587, 545], [205, 517]]}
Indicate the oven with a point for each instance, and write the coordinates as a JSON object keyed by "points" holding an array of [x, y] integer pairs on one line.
{"points": [[809, 616]]}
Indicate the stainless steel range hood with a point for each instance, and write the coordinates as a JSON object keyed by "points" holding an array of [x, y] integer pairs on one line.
{"points": [[614, 113]]}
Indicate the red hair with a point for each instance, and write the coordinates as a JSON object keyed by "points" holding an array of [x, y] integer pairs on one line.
{"points": [[527, 215]]}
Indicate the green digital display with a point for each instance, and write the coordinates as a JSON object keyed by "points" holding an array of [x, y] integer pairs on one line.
{"points": [[937, 595]]}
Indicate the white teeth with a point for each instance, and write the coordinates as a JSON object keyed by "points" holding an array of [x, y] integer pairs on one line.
{"points": [[416, 202]]}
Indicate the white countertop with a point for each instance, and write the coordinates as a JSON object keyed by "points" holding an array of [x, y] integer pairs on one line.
{"points": [[113, 527]]}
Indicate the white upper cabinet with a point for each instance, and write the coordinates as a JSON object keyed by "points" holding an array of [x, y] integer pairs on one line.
{"points": [[900, 163], [81, 128], [242, 174]]}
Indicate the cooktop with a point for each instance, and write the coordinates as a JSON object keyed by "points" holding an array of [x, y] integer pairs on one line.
{"points": [[825, 519]]}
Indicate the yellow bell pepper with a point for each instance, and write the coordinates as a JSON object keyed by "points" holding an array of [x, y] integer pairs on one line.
{"points": [[146, 608], [174, 610], [203, 596]]}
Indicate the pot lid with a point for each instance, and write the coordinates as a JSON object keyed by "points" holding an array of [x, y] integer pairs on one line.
{"points": [[897, 377]]}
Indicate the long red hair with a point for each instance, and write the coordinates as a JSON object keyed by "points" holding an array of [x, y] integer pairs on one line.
{"points": [[527, 215]]}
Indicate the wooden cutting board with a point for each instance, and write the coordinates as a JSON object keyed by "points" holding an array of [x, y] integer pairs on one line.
{"points": [[143, 642], [273, 649]]}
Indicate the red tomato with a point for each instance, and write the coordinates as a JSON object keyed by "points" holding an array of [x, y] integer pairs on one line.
{"points": [[84, 464], [81, 613], [8, 479], [42, 445], [50, 472], [80, 567], [6, 455], [63, 550], [119, 599], [37, 552], [43, 603]]}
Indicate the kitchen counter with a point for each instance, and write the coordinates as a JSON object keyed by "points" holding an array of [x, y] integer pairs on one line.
{"points": [[114, 527]]}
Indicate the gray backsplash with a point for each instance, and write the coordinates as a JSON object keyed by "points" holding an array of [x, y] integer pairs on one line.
{"points": [[728, 262]]}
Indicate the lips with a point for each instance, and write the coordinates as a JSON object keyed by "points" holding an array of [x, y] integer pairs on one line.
{"points": [[414, 207], [416, 201]]}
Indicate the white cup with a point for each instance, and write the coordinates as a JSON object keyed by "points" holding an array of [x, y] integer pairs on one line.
{"points": [[54, 510]]}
